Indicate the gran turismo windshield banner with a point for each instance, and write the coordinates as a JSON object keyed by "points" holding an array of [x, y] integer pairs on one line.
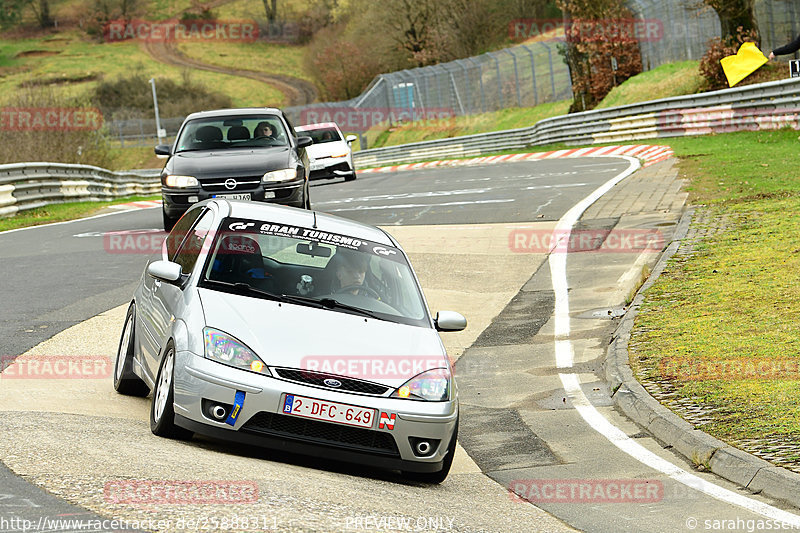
{"points": [[240, 225]]}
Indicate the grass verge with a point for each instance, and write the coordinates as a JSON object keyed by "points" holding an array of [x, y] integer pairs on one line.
{"points": [[718, 331], [62, 212]]}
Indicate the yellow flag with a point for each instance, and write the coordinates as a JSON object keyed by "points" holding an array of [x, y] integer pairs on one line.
{"points": [[746, 61]]}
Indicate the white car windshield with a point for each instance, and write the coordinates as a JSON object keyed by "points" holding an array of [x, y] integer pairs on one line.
{"points": [[312, 266], [232, 132], [322, 135]]}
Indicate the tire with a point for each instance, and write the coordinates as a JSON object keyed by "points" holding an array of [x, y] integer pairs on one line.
{"points": [[125, 380], [434, 478], [168, 221], [351, 177], [162, 411]]}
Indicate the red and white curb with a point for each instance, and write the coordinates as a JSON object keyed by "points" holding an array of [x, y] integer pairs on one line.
{"points": [[144, 204], [649, 155]]}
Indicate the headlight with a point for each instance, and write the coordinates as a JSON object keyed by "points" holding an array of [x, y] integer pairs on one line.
{"points": [[432, 385], [181, 181], [275, 176], [228, 350]]}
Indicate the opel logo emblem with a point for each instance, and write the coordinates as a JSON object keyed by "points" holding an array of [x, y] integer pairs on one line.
{"points": [[333, 383], [230, 184]]}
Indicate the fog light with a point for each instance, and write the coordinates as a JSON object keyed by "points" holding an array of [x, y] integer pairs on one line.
{"points": [[193, 199]]}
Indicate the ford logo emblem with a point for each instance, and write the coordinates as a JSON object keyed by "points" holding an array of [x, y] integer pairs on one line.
{"points": [[230, 184], [333, 383]]}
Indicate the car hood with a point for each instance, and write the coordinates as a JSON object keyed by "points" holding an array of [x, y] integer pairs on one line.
{"points": [[296, 336], [226, 163], [317, 151]]}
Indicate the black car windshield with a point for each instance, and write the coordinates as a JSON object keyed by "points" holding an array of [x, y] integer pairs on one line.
{"points": [[322, 135], [314, 267], [232, 132]]}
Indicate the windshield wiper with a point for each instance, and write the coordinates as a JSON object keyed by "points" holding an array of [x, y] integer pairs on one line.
{"points": [[329, 303], [248, 288]]}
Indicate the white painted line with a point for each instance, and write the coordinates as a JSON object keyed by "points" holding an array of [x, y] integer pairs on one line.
{"points": [[410, 206], [564, 355], [69, 221]]}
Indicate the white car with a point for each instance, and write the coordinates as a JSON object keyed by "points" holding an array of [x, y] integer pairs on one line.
{"points": [[331, 155]]}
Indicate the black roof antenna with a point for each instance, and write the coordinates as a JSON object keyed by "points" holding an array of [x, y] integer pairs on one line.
{"points": [[315, 219]]}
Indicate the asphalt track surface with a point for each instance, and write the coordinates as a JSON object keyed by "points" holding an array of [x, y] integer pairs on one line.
{"points": [[520, 422]]}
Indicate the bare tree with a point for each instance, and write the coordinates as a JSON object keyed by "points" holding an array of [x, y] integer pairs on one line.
{"points": [[271, 9], [734, 14]]}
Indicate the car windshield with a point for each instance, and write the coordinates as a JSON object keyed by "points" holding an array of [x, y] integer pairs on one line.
{"points": [[232, 132], [313, 267], [322, 135]]}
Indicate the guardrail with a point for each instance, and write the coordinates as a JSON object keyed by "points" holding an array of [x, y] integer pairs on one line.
{"points": [[26, 186], [762, 106]]}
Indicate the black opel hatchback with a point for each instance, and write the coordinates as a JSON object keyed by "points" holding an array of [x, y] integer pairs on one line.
{"points": [[241, 154]]}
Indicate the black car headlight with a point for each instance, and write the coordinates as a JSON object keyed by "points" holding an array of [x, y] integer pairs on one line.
{"points": [[431, 385], [228, 350], [180, 182], [277, 176]]}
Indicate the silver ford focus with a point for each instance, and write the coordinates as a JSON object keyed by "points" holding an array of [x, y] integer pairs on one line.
{"points": [[293, 330]]}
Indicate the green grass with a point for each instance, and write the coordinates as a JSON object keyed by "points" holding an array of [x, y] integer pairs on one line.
{"points": [[78, 57], [672, 79], [518, 117], [736, 298], [258, 56], [62, 212]]}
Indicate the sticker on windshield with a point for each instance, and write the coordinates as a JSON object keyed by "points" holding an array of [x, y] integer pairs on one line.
{"points": [[314, 235]]}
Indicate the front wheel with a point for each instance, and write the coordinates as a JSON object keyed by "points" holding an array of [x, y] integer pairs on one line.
{"points": [[162, 410], [441, 475], [168, 221], [125, 380]]}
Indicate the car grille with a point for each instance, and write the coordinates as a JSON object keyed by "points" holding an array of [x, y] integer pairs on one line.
{"points": [[322, 433], [317, 379], [218, 184]]}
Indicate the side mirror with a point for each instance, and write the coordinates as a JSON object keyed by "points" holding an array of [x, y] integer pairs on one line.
{"points": [[302, 142], [350, 138], [165, 271], [163, 149], [450, 321]]}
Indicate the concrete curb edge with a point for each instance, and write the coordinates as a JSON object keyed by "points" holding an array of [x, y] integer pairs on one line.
{"points": [[742, 468]]}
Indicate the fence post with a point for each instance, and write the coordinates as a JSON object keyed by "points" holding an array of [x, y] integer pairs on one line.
{"points": [[516, 75], [552, 74], [533, 75]]}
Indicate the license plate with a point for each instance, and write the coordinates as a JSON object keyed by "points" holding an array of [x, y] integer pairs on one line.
{"points": [[339, 413], [243, 196]]}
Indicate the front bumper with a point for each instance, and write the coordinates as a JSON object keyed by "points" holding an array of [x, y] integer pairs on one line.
{"points": [[342, 169], [199, 382], [177, 201]]}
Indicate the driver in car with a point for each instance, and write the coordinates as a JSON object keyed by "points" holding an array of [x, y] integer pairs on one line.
{"points": [[264, 129], [348, 271]]}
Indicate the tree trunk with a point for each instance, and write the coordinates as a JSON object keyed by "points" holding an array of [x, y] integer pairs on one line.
{"points": [[271, 9], [44, 14]]}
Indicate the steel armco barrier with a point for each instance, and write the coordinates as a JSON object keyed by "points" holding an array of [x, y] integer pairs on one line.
{"points": [[763, 106], [30, 185]]}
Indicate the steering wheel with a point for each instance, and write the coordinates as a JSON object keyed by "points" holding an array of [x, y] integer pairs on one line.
{"points": [[359, 289]]}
